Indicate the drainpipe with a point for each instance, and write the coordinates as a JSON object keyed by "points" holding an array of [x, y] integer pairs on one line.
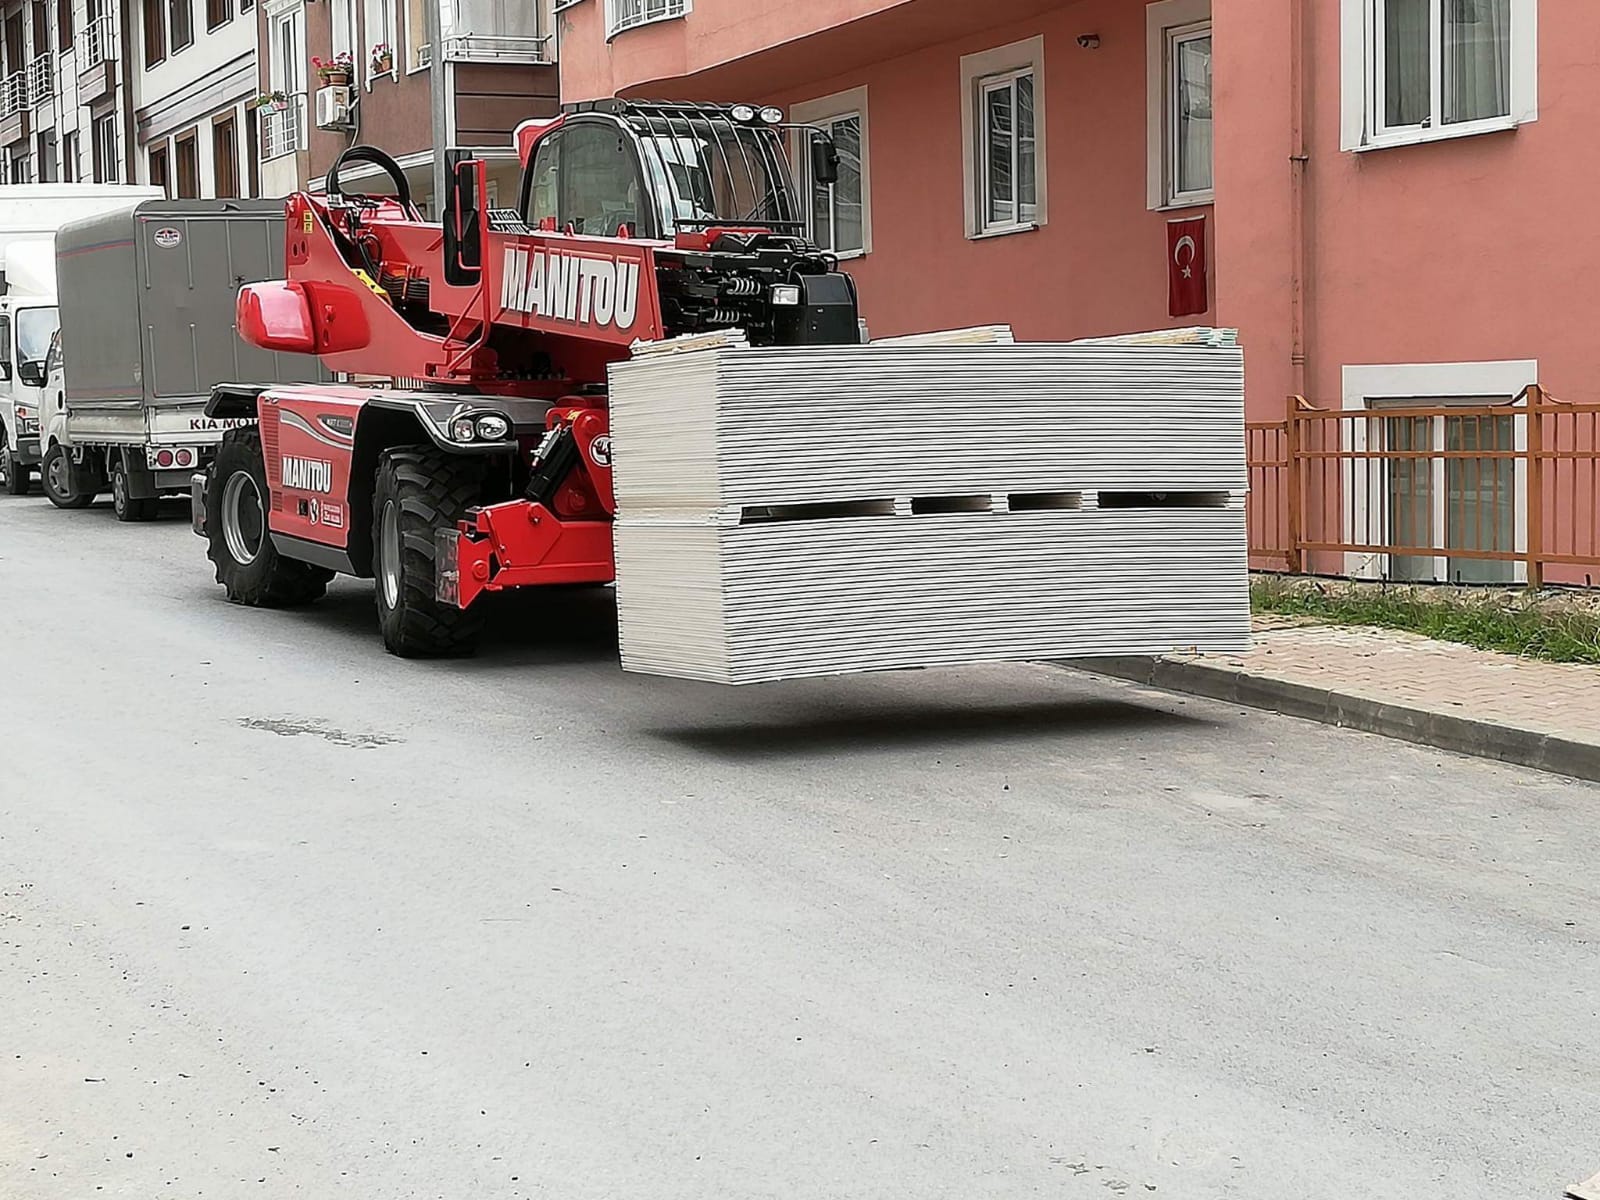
{"points": [[1299, 166], [438, 97], [124, 98]]}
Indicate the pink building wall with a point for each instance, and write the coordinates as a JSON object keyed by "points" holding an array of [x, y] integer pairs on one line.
{"points": [[1478, 249], [1097, 266]]}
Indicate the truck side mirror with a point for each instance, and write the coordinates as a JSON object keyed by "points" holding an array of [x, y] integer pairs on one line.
{"points": [[824, 159], [464, 219], [5, 372], [31, 372]]}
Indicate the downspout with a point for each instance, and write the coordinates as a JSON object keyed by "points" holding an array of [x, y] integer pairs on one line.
{"points": [[438, 97], [1299, 166], [125, 94]]}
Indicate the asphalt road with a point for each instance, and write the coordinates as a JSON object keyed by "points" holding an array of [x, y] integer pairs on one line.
{"points": [[283, 916]]}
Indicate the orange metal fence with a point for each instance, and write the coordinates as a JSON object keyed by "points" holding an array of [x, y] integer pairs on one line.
{"points": [[1479, 491]]}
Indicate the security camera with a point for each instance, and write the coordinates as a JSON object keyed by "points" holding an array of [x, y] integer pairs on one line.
{"points": [[1089, 41]]}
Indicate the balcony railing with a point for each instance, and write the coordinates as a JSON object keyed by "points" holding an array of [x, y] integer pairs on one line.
{"points": [[498, 48], [626, 14], [14, 94], [97, 43], [283, 130], [41, 79]]}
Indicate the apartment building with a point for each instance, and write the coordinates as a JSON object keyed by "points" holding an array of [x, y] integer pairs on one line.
{"points": [[192, 96], [1387, 197], [497, 68], [65, 89]]}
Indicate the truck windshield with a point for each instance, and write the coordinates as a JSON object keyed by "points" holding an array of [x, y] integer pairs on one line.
{"points": [[716, 172], [35, 329]]}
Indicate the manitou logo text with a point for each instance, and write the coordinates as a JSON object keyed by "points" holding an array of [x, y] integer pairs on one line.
{"points": [[307, 474], [591, 291]]}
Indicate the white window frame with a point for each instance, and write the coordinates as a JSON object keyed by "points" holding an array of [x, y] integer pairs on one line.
{"points": [[1166, 21], [671, 10], [977, 70], [381, 14], [825, 111], [342, 28], [417, 39], [283, 76], [1361, 53], [1372, 386]]}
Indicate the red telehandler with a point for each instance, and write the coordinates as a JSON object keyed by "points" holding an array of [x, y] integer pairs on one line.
{"points": [[482, 461]]}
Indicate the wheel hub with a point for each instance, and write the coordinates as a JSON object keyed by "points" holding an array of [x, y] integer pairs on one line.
{"points": [[58, 476], [389, 553], [243, 524]]}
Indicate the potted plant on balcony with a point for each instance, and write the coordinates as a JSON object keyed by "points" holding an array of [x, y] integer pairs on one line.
{"points": [[274, 101], [335, 71], [382, 59]]}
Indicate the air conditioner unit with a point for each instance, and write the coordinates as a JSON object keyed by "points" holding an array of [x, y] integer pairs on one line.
{"points": [[333, 107]]}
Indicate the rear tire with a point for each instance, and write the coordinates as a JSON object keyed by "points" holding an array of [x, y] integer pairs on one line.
{"points": [[19, 481], [421, 490], [124, 505], [55, 473], [238, 542]]}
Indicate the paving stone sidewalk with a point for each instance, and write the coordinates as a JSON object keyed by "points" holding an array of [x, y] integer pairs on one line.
{"points": [[1538, 714]]}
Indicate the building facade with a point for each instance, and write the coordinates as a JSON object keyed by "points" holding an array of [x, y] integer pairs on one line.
{"points": [[497, 69], [65, 93], [1384, 196], [194, 127]]}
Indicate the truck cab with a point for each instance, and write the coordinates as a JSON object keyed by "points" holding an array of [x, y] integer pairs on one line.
{"points": [[28, 326]]}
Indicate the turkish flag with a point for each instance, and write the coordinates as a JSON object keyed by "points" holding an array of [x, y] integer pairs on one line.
{"points": [[1186, 267]]}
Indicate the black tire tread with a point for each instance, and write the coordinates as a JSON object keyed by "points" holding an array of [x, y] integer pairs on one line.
{"points": [[77, 500], [434, 490], [19, 482], [282, 582]]}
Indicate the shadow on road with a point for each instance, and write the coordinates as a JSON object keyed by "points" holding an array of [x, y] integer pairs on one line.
{"points": [[810, 733], [536, 627]]}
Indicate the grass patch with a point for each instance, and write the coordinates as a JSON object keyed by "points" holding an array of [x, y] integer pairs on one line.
{"points": [[1555, 633]]}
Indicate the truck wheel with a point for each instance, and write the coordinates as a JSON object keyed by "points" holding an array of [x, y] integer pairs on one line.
{"points": [[19, 481], [249, 566], [56, 475], [125, 506], [421, 490]]}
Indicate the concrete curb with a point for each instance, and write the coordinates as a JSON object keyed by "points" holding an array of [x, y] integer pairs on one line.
{"points": [[1463, 735]]}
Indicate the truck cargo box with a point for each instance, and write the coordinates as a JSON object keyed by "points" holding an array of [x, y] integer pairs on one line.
{"points": [[147, 311]]}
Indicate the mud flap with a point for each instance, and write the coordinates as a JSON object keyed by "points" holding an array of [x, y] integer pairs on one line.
{"points": [[447, 567], [197, 500]]}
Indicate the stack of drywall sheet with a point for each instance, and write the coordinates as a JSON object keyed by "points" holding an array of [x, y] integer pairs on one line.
{"points": [[787, 512]]}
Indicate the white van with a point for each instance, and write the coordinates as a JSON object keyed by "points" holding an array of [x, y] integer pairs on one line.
{"points": [[30, 214]]}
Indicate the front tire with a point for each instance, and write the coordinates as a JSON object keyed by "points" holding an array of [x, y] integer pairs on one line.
{"points": [[238, 542], [421, 490], [19, 481], [56, 475]]}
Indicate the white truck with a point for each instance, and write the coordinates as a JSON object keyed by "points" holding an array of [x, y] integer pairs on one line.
{"points": [[147, 297], [30, 215]]}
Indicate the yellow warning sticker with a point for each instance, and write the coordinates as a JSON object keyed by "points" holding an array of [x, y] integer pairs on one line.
{"points": [[307, 220], [367, 279]]}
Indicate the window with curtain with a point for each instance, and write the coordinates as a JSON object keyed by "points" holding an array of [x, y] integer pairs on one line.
{"points": [[1006, 151], [837, 215], [342, 25], [1189, 114], [1438, 63], [379, 16]]}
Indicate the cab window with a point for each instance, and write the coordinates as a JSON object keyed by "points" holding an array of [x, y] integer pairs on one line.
{"points": [[5, 347], [540, 198], [600, 185]]}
